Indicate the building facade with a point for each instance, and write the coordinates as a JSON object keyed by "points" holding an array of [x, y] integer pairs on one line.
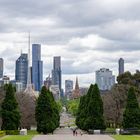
{"points": [[56, 72], [121, 66], [22, 69], [37, 67], [1, 67], [68, 87], [105, 79]]}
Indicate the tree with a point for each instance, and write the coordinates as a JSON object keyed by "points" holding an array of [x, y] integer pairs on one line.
{"points": [[95, 118], [90, 111], [131, 116], [46, 112], [9, 110]]}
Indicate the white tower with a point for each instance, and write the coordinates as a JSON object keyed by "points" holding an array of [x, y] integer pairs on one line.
{"points": [[29, 87]]}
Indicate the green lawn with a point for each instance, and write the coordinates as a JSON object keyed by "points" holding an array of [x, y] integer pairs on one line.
{"points": [[30, 135], [18, 137], [126, 137]]}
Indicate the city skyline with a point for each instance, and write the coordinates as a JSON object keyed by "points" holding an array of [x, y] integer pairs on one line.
{"points": [[86, 40]]}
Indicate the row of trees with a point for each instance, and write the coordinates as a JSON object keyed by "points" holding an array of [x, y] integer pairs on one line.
{"points": [[115, 100], [46, 111], [90, 111]]}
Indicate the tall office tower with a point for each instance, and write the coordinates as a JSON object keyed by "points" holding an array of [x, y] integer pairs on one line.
{"points": [[121, 66], [56, 72], [68, 87], [22, 69], [105, 79], [37, 67], [1, 67]]}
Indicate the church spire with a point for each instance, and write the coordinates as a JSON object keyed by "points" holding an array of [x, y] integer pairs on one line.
{"points": [[76, 92]]}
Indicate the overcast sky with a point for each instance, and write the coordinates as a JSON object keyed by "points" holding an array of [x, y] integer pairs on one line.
{"points": [[87, 34]]}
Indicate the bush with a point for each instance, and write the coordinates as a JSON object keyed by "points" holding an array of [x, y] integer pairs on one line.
{"points": [[2, 133], [12, 132]]}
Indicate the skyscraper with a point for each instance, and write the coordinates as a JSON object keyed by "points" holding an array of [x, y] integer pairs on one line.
{"points": [[121, 66], [22, 69], [37, 67], [68, 87], [1, 67], [105, 79], [56, 72]]}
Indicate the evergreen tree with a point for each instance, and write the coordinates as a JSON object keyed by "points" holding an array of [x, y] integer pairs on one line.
{"points": [[46, 113], [81, 115], [90, 111], [131, 116], [95, 119], [9, 110]]}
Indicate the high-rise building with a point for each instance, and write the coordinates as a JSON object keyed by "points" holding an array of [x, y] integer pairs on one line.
{"points": [[105, 79], [48, 82], [1, 67], [121, 66], [56, 72], [22, 69], [37, 67], [68, 87]]}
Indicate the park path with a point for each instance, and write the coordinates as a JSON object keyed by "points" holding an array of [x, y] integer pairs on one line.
{"points": [[71, 137]]}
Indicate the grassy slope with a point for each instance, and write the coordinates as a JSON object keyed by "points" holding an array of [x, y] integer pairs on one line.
{"points": [[18, 137], [125, 137]]}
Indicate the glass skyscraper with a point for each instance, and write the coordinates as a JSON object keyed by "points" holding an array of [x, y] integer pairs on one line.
{"points": [[37, 67], [121, 66], [56, 72], [22, 69], [1, 68]]}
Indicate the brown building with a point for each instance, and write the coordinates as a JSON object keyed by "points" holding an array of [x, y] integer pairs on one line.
{"points": [[76, 91]]}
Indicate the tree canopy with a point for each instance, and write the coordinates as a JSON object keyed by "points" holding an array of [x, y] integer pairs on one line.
{"points": [[9, 110], [46, 112], [90, 111]]}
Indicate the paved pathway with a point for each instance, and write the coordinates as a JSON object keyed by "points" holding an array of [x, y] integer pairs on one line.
{"points": [[71, 137]]}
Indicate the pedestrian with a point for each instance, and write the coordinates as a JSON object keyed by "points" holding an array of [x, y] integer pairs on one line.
{"points": [[73, 132], [76, 133]]}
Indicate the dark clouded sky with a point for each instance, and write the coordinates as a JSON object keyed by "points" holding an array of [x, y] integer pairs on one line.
{"points": [[87, 34]]}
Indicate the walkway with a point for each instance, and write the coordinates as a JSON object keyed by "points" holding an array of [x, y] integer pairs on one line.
{"points": [[71, 137]]}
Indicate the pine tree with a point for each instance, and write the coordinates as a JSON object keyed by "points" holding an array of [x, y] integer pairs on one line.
{"points": [[95, 119], [81, 115], [46, 113], [131, 116], [90, 111], [10, 112]]}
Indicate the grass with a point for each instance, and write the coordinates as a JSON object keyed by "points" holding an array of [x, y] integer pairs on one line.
{"points": [[30, 135], [126, 137], [17, 137]]}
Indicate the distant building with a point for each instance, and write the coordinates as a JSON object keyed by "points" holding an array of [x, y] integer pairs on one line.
{"points": [[56, 72], [83, 90], [76, 91], [5, 80], [48, 82], [105, 79], [121, 66], [37, 67], [55, 91], [68, 87], [1, 67], [18, 85], [22, 69]]}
